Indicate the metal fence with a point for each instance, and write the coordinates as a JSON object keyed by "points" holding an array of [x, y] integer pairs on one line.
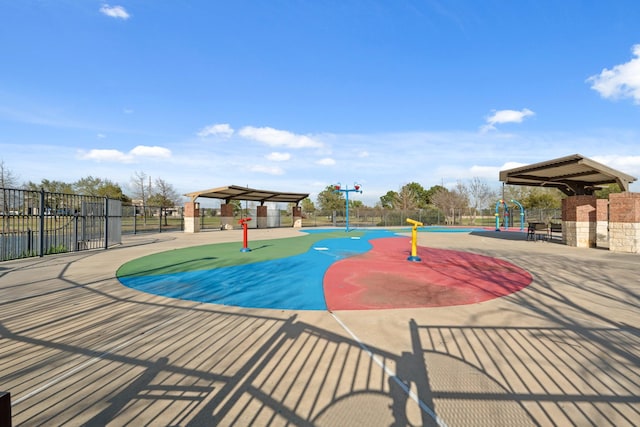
{"points": [[377, 217], [151, 219], [37, 223]]}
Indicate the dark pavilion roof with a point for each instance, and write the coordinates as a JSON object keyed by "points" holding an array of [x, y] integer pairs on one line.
{"points": [[236, 192], [573, 175]]}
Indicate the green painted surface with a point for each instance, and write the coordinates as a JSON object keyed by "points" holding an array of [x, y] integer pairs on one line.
{"points": [[218, 255]]}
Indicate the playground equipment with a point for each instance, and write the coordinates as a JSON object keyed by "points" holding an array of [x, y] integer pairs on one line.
{"points": [[414, 240], [521, 213], [505, 220], [244, 222], [346, 191]]}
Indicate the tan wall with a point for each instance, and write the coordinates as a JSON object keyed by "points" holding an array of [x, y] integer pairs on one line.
{"points": [[226, 216], [579, 221], [624, 222], [296, 212], [192, 217], [602, 223]]}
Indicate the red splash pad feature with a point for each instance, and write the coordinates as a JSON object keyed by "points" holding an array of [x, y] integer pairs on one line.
{"points": [[383, 278]]}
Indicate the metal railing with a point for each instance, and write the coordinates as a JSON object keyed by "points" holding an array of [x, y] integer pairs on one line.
{"points": [[38, 223], [378, 217], [151, 219]]}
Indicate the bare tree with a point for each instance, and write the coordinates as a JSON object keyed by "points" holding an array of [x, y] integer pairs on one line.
{"points": [[141, 190], [449, 202], [7, 178], [405, 199], [480, 195], [164, 195], [141, 187]]}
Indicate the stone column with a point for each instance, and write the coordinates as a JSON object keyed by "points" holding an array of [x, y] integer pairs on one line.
{"points": [[296, 212], [602, 223], [226, 216], [261, 212], [192, 217], [579, 221], [624, 222]]}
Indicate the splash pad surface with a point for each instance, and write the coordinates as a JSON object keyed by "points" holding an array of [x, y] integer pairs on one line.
{"points": [[324, 269]]}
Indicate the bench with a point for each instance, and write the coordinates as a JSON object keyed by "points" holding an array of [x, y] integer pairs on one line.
{"points": [[554, 228], [537, 230]]}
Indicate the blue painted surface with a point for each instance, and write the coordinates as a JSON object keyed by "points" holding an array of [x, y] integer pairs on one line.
{"points": [[293, 283]]}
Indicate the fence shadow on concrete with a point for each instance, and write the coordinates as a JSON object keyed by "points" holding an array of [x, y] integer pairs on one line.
{"points": [[92, 352]]}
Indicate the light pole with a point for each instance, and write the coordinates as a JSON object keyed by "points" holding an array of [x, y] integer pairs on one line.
{"points": [[346, 191]]}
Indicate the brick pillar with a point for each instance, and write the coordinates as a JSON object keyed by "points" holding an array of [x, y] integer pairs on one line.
{"points": [[192, 217], [261, 212], [579, 221], [296, 212], [226, 216], [624, 222]]}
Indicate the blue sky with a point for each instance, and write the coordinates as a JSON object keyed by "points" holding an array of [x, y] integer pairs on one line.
{"points": [[296, 95]]}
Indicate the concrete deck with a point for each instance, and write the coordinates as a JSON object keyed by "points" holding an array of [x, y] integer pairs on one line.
{"points": [[77, 348]]}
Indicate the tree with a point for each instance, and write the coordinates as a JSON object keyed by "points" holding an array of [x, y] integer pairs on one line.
{"points": [[388, 199], [237, 207], [448, 202], [543, 199], [141, 187], [419, 194], [99, 187], [163, 195], [7, 178], [428, 194], [480, 195], [356, 204], [604, 192], [331, 200], [308, 206], [406, 198], [51, 186]]}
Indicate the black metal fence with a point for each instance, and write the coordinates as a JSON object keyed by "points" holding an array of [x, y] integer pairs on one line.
{"points": [[37, 223], [151, 219], [378, 217]]}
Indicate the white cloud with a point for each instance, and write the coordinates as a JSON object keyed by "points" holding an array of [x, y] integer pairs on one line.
{"points": [[490, 172], [114, 11], [101, 135], [363, 154], [150, 151], [269, 170], [506, 116], [626, 164], [327, 161], [622, 81], [221, 129], [105, 156], [111, 155], [278, 157], [512, 165], [278, 138]]}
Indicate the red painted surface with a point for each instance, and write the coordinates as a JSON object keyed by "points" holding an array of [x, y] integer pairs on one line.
{"points": [[383, 278]]}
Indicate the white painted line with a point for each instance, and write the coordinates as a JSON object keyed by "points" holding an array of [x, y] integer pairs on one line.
{"points": [[392, 375], [321, 249], [355, 238]]}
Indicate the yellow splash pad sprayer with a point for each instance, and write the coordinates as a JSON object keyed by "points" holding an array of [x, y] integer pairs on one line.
{"points": [[414, 240]]}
